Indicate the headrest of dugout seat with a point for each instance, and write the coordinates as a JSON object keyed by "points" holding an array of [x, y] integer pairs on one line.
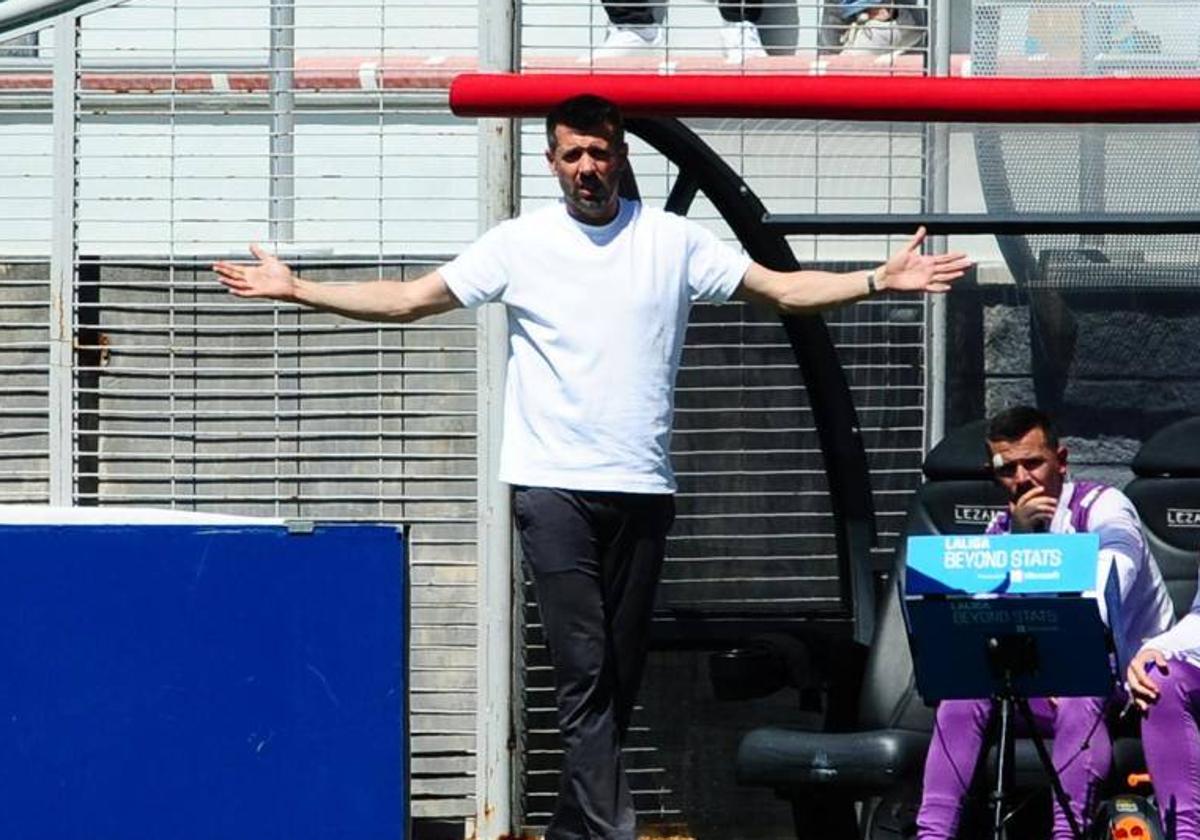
{"points": [[1174, 452], [959, 495], [1166, 490], [960, 455]]}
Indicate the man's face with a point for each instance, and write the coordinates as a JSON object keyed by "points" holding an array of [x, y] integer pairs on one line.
{"points": [[588, 165], [1020, 465]]}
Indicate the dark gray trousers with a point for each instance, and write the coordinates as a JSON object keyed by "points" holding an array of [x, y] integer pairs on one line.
{"points": [[595, 560]]}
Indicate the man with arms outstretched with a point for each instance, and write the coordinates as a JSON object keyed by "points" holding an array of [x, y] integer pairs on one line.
{"points": [[598, 291]]}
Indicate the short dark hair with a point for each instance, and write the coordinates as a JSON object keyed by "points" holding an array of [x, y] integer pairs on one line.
{"points": [[583, 112], [1016, 422]]}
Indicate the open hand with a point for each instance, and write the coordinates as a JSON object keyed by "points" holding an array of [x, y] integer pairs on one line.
{"points": [[908, 270], [269, 279], [1141, 685]]}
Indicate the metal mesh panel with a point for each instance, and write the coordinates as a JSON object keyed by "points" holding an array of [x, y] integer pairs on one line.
{"points": [[26, 183], [1095, 170], [207, 403], [1091, 169], [754, 534], [753, 531], [1042, 38], [24, 388]]}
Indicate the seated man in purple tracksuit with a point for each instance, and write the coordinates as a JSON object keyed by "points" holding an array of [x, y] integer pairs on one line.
{"points": [[1164, 679], [1031, 464]]}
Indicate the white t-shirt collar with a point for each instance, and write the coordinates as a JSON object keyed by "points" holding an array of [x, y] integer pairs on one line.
{"points": [[607, 232]]}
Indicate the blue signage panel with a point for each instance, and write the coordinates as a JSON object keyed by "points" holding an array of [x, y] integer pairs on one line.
{"points": [[202, 681], [1016, 564]]}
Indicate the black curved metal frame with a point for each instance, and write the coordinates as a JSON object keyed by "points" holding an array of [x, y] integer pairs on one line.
{"points": [[702, 170]]}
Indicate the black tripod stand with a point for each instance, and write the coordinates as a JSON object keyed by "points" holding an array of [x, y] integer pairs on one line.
{"points": [[1011, 656]]}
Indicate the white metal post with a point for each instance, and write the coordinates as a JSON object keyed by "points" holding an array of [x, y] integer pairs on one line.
{"points": [[62, 261], [282, 221], [937, 200], [498, 200]]}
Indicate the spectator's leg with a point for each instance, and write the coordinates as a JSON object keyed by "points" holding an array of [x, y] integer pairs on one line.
{"points": [[629, 14], [1082, 754], [740, 38], [832, 28], [1171, 742], [954, 750], [560, 538], [736, 11]]}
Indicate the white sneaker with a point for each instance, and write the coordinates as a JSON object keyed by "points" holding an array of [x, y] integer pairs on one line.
{"points": [[740, 41], [628, 40], [871, 36]]}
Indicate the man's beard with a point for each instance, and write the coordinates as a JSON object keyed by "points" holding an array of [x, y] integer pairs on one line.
{"points": [[598, 200]]}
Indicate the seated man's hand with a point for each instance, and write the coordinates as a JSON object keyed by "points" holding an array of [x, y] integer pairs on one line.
{"points": [[1032, 511], [1142, 686]]}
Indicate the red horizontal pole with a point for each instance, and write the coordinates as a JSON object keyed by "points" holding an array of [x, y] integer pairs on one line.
{"points": [[874, 98]]}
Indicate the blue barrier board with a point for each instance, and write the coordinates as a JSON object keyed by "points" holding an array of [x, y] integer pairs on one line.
{"points": [[1013, 564], [203, 681]]}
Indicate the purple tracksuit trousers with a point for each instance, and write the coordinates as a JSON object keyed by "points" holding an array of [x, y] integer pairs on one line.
{"points": [[1171, 741], [1082, 754]]}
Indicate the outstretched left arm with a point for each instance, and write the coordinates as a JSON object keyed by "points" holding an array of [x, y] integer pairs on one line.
{"points": [[907, 270]]}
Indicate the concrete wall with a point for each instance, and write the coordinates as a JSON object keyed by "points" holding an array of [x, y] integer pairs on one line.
{"points": [[1113, 368]]}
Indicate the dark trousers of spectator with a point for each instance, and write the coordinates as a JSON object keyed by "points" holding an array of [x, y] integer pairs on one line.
{"points": [[642, 13], [595, 559]]}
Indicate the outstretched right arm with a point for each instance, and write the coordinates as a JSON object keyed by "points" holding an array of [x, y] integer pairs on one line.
{"points": [[376, 300]]}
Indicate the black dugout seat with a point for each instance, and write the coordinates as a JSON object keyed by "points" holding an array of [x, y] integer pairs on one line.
{"points": [[1166, 492], [824, 773]]}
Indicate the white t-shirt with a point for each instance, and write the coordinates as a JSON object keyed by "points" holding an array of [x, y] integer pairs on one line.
{"points": [[596, 319]]}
